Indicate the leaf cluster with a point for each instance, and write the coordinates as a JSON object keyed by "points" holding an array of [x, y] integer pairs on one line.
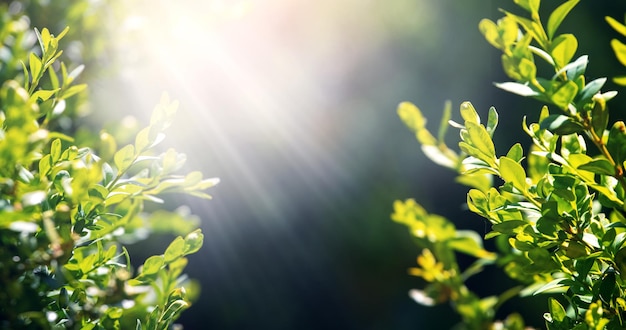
{"points": [[557, 211], [67, 214]]}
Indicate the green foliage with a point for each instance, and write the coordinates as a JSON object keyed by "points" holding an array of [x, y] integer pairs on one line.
{"points": [[65, 211], [557, 211]]}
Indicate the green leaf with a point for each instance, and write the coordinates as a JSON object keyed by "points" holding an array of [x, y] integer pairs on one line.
{"points": [[617, 26], [54, 79], [527, 70], [469, 114], [574, 70], [175, 250], [616, 143], [44, 166], [480, 139], [563, 49], [557, 16], [599, 115], [516, 152], [193, 241], [142, 140], [556, 310], [477, 202], [530, 5], [35, 67], [173, 310], [492, 121], [593, 87], [55, 151], [469, 242], [510, 227], [152, 265], [445, 119], [73, 90], [489, 29], [411, 116], [44, 95], [124, 157], [511, 171], [598, 166], [561, 125], [620, 50], [607, 286], [115, 198]]}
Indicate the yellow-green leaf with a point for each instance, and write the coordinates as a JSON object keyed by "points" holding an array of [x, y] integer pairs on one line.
{"points": [[558, 15], [620, 80], [563, 49], [152, 265], [411, 116], [617, 26], [556, 310], [620, 50], [563, 96], [175, 250], [531, 5], [124, 157], [469, 114], [55, 151], [35, 66], [511, 171], [480, 139], [193, 241]]}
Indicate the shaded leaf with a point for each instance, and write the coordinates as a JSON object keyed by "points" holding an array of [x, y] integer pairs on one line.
{"points": [[598, 166], [561, 125]]}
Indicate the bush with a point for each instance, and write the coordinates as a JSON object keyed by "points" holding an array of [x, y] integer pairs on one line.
{"points": [[70, 203], [557, 211]]}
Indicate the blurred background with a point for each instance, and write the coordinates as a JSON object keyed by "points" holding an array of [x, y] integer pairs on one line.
{"points": [[292, 104]]}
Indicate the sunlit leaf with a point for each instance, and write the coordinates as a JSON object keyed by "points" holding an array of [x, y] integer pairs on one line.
{"points": [[516, 152], [565, 95], [517, 88], [557, 16], [193, 241], [531, 5], [469, 242], [175, 250], [512, 171], [35, 66], [435, 154], [55, 151], [469, 114], [124, 157], [563, 49], [152, 265]]}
